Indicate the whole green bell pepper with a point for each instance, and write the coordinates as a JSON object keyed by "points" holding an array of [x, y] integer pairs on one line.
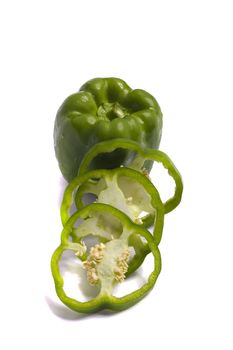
{"points": [[105, 109]]}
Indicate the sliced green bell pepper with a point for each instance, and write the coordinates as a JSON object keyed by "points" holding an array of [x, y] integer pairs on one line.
{"points": [[104, 109], [140, 157], [106, 263], [126, 189]]}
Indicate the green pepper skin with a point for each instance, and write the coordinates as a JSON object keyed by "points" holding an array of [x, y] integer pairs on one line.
{"points": [[104, 109]]}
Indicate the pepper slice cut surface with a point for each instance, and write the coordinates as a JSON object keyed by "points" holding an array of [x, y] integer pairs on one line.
{"points": [[106, 263], [138, 160], [126, 189]]}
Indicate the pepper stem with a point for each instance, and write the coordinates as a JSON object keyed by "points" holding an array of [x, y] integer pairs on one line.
{"points": [[116, 112], [111, 111]]}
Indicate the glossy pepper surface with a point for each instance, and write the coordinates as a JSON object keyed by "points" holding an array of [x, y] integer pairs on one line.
{"points": [[105, 109]]}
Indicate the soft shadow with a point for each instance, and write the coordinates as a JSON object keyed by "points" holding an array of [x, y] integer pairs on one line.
{"points": [[67, 314], [64, 312]]}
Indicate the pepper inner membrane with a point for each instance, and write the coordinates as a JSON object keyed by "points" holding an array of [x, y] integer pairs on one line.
{"points": [[105, 260], [123, 192]]}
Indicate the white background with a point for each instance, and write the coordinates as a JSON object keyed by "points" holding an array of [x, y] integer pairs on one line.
{"points": [[179, 51]]}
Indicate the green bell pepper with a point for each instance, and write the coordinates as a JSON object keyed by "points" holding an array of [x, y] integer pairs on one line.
{"points": [[106, 263], [126, 189], [104, 109], [141, 156]]}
